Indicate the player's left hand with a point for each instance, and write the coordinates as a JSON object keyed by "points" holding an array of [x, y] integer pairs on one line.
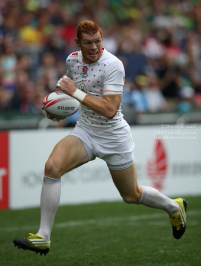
{"points": [[53, 117], [67, 85]]}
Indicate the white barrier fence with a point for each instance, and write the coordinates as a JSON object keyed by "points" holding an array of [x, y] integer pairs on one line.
{"points": [[167, 157]]}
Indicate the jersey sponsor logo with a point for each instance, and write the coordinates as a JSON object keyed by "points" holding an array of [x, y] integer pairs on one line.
{"points": [[4, 170], [157, 167], [84, 71], [74, 55], [82, 87]]}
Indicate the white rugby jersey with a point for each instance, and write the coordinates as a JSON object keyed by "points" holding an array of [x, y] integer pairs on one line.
{"points": [[91, 79]]}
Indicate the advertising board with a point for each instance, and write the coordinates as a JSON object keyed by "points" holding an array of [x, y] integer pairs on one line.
{"points": [[167, 158]]}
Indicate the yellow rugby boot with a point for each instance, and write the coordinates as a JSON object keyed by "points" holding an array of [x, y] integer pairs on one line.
{"points": [[34, 243], [178, 221]]}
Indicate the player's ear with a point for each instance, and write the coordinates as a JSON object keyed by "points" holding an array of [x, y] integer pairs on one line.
{"points": [[77, 42]]}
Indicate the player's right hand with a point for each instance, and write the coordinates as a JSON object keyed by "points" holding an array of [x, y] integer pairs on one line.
{"points": [[54, 117]]}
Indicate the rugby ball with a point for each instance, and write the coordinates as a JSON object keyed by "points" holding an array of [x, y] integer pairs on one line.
{"points": [[60, 104]]}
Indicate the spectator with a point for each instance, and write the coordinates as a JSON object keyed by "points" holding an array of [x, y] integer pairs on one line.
{"points": [[5, 99], [130, 51], [37, 36], [155, 99], [48, 72], [24, 100], [168, 76], [138, 97], [8, 63], [24, 64], [187, 99]]}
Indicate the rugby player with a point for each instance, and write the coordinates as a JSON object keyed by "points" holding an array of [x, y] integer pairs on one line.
{"points": [[95, 77]]}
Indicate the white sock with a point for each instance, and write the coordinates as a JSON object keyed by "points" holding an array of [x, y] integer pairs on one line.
{"points": [[50, 198], [151, 197]]}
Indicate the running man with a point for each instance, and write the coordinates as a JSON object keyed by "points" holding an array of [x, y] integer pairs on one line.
{"points": [[95, 77]]}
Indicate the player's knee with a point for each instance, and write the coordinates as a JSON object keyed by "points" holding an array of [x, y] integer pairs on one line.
{"points": [[51, 169], [131, 199]]}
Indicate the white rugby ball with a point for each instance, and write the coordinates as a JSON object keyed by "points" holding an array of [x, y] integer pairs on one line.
{"points": [[60, 104]]}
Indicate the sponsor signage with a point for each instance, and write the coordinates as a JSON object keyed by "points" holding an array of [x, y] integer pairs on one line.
{"points": [[168, 160], [157, 166]]}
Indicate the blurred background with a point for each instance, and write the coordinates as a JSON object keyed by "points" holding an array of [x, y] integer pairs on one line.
{"points": [[159, 43]]}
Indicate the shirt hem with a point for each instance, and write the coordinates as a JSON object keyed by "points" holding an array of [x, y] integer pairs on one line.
{"points": [[117, 124]]}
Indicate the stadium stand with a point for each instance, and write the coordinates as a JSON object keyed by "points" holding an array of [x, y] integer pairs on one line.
{"points": [[159, 43]]}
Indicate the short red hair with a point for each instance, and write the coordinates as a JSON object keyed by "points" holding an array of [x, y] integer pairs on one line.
{"points": [[89, 27]]}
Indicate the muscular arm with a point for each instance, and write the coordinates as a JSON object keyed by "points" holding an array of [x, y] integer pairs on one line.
{"points": [[106, 106]]}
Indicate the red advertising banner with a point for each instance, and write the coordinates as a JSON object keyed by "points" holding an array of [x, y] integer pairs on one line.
{"points": [[4, 170]]}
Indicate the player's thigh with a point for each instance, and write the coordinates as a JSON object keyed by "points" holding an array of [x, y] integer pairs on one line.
{"points": [[126, 182], [68, 154]]}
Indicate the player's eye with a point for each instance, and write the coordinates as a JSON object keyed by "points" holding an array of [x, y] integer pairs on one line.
{"points": [[97, 41], [87, 43]]}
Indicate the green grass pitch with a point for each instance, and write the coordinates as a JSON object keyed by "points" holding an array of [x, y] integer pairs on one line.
{"points": [[104, 234]]}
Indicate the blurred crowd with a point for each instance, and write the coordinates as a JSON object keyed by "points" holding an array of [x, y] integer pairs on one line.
{"points": [[159, 43]]}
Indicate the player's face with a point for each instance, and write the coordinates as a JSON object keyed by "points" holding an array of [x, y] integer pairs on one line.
{"points": [[91, 47]]}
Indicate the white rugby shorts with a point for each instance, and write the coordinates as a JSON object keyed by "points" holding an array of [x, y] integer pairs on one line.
{"points": [[114, 146]]}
